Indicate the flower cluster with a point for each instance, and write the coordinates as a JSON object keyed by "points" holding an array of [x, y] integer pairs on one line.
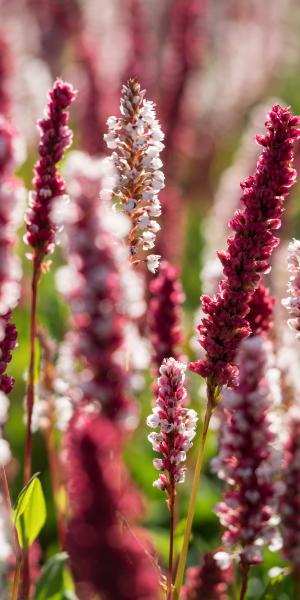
{"points": [[136, 139], [292, 303], [290, 499], [91, 283], [211, 579], [177, 425], [247, 460], [48, 183], [246, 260], [260, 312], [11, 201], [165, 314], [99, 537]]}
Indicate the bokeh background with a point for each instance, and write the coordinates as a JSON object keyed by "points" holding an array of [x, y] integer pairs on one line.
{"points": [[214, 68]]}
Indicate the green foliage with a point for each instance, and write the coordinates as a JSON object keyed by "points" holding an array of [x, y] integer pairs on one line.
{"points": [[275, 586], [54, 579], [29, 515]]}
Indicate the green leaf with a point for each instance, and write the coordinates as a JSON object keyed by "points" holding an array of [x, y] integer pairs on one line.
{"points": [[29, 515], [274, 585], [51, 583]]}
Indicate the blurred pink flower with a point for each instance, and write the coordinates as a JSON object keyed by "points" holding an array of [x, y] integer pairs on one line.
{"points": [[290, 498], [247, 460], [109, 556], [210, 580], [91, 282], [292, 303]]}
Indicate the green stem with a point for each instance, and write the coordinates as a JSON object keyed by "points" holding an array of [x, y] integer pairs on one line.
{"points": [[25, 576], [192, 505], [30, 388]]}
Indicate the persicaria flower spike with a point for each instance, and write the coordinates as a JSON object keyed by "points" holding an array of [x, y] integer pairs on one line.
{"points": [[210, 580], [176, 423], [247, 459], [136, 139], [99, 537], [246, 260], [290, 498], [92, 285], [165, 314], [292, 303], [56, 137]]}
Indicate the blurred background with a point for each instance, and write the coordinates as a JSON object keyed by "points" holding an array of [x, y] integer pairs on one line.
{"points": [[214, 69]]}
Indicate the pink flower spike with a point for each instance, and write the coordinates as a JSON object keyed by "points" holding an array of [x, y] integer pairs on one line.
{"points": [[211, 580], [247, 459], [292, 303], [290, 498], [109, 556], [56, 137], [165, 314], [225, 314], [177, 425]]}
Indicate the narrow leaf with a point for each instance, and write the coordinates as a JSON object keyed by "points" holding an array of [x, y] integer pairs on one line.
{"points": [[30, 512]]}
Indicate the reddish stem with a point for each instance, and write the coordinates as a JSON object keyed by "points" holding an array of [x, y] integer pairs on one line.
{"points": [[171, 504]]}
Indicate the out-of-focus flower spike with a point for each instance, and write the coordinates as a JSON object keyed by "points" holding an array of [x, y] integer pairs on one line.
{"points": [[247, 459], [246, 260], [140, 62], [56, 137], [176, 424], [136, 139], [164, 314], [211, 580], [102, 532], [292, 303], [5, 73], [11, 203], [290, 498], [92, 284]]}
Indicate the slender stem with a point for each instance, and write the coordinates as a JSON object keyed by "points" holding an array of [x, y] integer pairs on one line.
{"points": [[171, 504], [5, 490], [30, 388], [25, 587], [16, 582], [245, 568], [192, 505]]}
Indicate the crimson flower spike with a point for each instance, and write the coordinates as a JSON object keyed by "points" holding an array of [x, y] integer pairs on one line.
{"points": [[41, 229], [225, 314], [56, 137]]}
